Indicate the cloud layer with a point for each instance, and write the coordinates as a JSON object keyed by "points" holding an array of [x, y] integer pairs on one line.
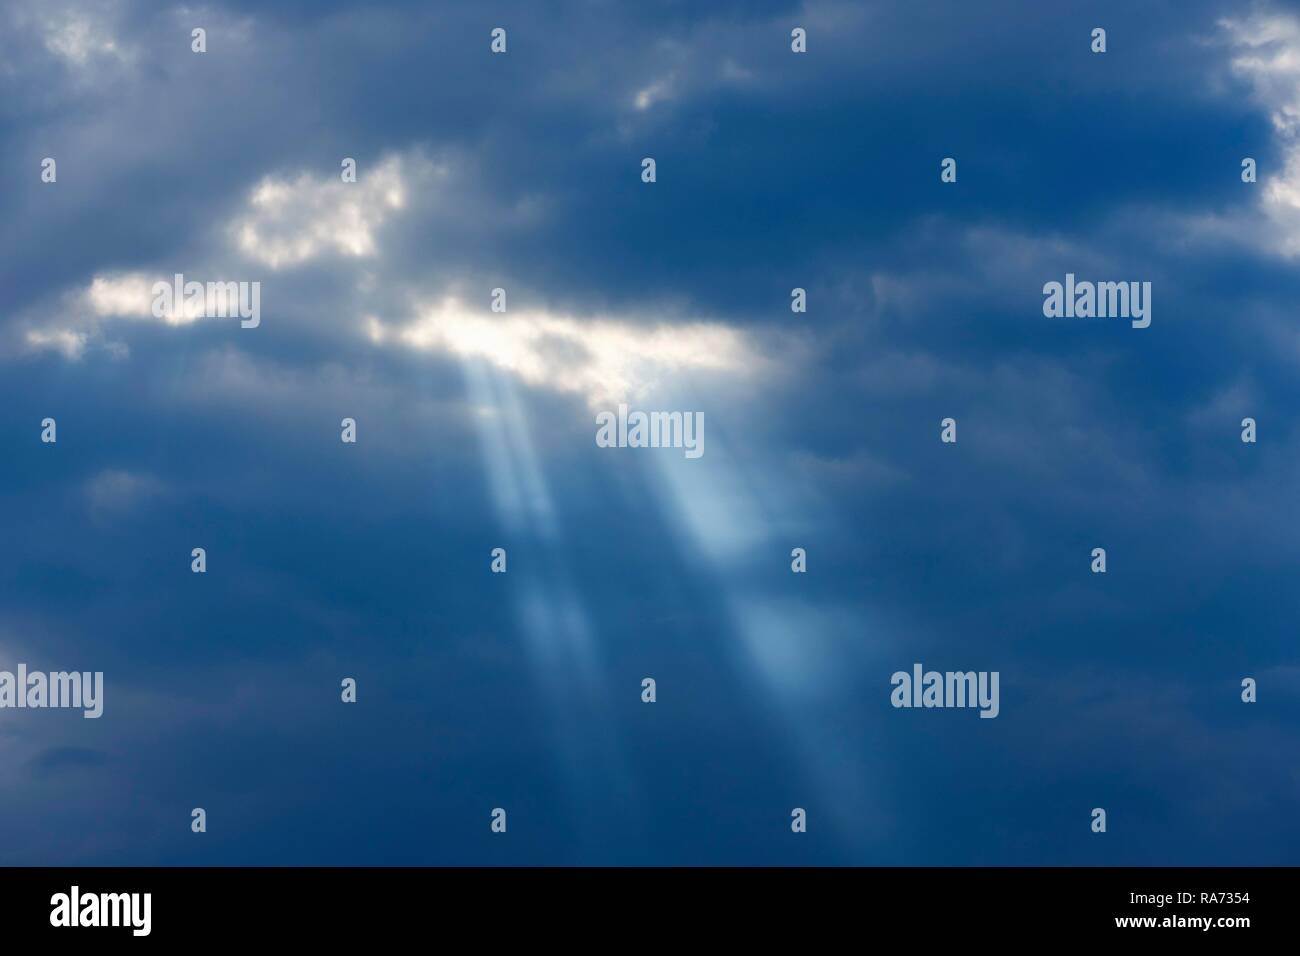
{"points": [[475, 427]]}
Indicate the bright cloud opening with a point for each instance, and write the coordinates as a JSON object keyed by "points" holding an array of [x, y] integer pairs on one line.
{"points": [[290, 222], [602, 360]]}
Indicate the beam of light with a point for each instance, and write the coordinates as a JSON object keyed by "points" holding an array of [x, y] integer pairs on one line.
{"points": [[549, 608], [720, 507], [727, 509]]}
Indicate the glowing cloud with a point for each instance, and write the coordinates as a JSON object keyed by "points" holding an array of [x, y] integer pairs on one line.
{"points": [[290, 222], [1267, 53], [602, 360]]}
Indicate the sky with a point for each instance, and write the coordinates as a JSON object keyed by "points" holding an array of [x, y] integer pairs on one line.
{"points": [[476, 430]]}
